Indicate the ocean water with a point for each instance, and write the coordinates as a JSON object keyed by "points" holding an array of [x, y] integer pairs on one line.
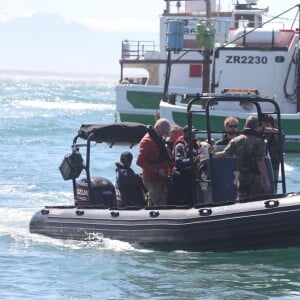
{"points": [[38, 119]]}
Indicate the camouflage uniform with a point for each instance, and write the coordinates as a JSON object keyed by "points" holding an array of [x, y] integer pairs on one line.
{"points": [[274, 148], [248, 147]]}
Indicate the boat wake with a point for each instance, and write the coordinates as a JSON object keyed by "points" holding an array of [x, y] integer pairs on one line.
{"points": [[288, 168], [14, 229]]}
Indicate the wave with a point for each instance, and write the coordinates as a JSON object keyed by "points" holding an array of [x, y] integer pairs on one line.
{"points": [[65, 105], [18, 75], [288, 167]]}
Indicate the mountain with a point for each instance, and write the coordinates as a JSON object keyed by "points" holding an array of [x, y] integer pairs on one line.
{"points": [[46, 42]]}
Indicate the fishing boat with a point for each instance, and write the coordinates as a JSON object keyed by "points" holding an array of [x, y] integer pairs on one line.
{"points": [[214, 222], [204, 49]]}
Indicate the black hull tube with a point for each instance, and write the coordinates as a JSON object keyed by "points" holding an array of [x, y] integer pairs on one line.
{"points": [[265, 224]]}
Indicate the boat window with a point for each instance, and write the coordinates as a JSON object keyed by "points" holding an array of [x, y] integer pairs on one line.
{"points": [[244, 20]]}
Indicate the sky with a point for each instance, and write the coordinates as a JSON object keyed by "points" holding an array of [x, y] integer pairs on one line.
{"points": [[110, 15], [96, 14], [115, 17]]}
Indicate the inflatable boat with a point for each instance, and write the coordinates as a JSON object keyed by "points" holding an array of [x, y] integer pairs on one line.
{"points": [[215, 221]]}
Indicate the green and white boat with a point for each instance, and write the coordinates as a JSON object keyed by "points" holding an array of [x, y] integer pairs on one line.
{"points": [[206, 50]]}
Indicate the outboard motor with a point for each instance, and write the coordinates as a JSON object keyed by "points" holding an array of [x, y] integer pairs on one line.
{"points": [[103, 194]]}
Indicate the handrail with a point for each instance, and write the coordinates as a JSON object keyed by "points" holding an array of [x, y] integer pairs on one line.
{"points": [[211, 101], [137, 49]]}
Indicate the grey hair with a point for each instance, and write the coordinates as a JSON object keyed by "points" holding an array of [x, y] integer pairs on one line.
{"points": [[251, 122], [162, 123]]}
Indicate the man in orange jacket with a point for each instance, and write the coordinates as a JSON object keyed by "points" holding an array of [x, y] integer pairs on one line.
{"points": [[155, 161]]}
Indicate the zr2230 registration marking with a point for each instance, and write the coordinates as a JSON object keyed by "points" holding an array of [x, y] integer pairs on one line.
{"points": [[236, 59]]}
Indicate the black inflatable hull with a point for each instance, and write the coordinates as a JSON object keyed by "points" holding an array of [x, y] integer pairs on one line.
{"points": [[264, 224]]}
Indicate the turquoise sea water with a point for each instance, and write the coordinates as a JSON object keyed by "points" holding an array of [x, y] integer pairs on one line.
{"points": [[38, 120]]}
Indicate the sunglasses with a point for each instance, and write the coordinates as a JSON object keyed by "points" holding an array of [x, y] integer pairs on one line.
{"points": [[232, 126]]}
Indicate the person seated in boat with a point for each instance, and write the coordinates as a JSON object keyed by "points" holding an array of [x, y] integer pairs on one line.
{"points": [[129, 184], [271, 135], [231, 130], [154, 159], [250, 149], [181, 179]]}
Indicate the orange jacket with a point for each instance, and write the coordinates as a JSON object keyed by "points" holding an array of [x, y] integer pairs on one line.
{"points": [[151, 160]]}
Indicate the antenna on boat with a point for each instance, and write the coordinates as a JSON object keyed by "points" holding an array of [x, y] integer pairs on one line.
{"points": [[178, 5]]}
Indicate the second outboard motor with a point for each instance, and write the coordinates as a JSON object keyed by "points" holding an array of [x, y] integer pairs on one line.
{"points": [[102, 194]]}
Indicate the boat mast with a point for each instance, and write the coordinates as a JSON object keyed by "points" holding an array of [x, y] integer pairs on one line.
{"points": [[206, 54], [167, 10]]}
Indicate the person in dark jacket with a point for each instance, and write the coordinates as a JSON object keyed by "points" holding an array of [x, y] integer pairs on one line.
{"points": [[273, 142], [129, 184], [185, 166]]}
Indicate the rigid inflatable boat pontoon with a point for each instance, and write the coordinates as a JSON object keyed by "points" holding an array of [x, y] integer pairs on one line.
{"points": [[214, 223]]}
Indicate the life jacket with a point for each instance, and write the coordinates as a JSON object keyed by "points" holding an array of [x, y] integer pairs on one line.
{"points": [[196, 146]]}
